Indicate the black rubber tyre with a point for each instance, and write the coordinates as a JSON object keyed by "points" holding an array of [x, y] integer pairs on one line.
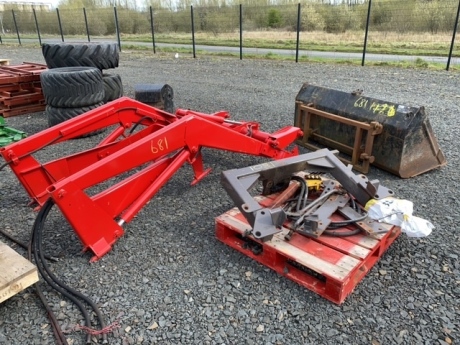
{"points": [[113, 87], [157, 95], [59, 115], [72, 87], [90, 54], [153, 93]]}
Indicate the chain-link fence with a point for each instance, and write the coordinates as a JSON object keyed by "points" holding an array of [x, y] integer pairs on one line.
{"points": [[417, 27]]}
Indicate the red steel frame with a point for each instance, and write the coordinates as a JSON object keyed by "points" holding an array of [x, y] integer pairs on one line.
{"points": [[163, 143]]}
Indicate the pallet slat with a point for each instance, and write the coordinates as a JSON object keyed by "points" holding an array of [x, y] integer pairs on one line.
{"points": [[20, 86], [16, 273], [329, 266], [306, 249], [31, 108], [21, 98], [26, 67], [24, 73]]}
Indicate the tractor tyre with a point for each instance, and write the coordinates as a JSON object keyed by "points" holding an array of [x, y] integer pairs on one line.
{"points": [[89, 54], [72, 87], [113, 87], [58, 115]]}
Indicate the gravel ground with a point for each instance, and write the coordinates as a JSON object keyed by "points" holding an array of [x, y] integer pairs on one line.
{"points": [[170, 281]]}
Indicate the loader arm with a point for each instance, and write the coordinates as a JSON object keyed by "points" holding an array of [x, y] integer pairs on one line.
{"points": [[151, 155]]}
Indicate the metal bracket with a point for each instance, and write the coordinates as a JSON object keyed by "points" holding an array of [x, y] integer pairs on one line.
{"points": [[320, 219], [267, 221], [361, 157]]}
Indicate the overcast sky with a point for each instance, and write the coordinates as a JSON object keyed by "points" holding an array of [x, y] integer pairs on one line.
{"points": [[52, 2]]}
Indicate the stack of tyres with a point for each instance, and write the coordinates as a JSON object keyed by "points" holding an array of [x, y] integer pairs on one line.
{"points": [[71, 91], [75, 82]]}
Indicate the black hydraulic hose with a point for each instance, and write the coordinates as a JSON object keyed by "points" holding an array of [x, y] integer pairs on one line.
{"points": [[59, 335], [70, 293], [33, 151], [303, 195], [22, 244], [347, 222], [353, 203], [60, 338], [42, 267], [138, 123], [4, 165], [68, 290]]}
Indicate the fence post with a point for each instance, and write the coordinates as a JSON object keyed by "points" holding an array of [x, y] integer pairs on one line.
{"points": [[453, 37], [16, 26], [36, 25], [241, 32], [60, 24], [151, 27], [367, 31], [298, 34], [193, 31], [86, 24], [117, 28]]}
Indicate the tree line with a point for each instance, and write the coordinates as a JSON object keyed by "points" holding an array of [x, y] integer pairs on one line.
{"points": [[222, 16]]}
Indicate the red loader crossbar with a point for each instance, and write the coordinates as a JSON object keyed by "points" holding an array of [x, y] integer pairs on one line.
{"points": [[150, 143]]}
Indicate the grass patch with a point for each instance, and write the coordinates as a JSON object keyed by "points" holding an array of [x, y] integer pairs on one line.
{"points": [[350, 41], [424, 44], [379, 43], [136, 47], [187, 52]]}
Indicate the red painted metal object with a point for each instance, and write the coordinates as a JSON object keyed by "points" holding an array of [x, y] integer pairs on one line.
{"points": [[329, 266], [149, 143], [26, 72], [20, 89]]}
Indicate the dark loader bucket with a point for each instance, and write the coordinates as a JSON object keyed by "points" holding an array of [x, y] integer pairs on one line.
{"points": [[391, 136]]}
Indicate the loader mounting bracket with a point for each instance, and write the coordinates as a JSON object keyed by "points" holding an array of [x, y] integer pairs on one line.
{"points": [[361, 154], [267, 221]]}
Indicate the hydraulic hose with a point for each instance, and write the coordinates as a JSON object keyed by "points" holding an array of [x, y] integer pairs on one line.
{"points": [[53, 281]]}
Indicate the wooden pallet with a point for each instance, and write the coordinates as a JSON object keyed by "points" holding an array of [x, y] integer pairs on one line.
{"points": [[330, 266], [19, 86], [20, 89], [31, 108], [27, 68], [21, 98], [16, 273], [24, 73]]}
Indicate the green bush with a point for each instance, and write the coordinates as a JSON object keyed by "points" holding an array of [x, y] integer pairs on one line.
{"points": [[433, 16], [311, 19], [392, 16], [381, 13], [215, 20], [339, 18], [275, 19]]}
